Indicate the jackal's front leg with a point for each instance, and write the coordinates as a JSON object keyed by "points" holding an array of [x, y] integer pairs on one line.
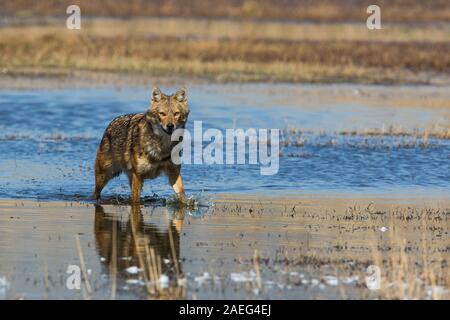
{"points": [[176, 182]]}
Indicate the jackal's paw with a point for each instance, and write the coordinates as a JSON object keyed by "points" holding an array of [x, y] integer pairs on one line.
{"points": [[95, 197], [184, 200]]}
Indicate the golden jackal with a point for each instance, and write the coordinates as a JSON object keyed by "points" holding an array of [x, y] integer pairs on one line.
{"points": [[140, 145]]}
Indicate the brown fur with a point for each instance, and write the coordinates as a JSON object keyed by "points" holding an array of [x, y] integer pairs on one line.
{"points": [[140, 145]]}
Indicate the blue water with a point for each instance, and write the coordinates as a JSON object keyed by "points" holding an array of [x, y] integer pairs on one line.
{"points": [[48, 141]]}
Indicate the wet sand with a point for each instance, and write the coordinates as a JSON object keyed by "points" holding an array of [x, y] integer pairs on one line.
{"points": [[241, 247]]}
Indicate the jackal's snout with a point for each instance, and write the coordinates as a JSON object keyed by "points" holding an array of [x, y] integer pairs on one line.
{"points": [[170, 127]]}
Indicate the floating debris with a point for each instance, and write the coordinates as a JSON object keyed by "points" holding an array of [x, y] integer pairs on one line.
{"points": [[133, 270], [164, 281], [4, 286], [243, 276]]}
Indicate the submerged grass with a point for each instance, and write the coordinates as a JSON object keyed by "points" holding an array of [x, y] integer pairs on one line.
{"points": [[150, 261], [387, 136], [252, 247], [335, 249], [424, 274]]}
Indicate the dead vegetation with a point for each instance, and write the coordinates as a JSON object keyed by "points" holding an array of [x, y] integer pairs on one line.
{"points": [[386, 136], [248, 247], [341, 247], [257, 44], [318, 10], [223, 59]]}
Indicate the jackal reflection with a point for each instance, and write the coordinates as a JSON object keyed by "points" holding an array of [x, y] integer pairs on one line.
{"points": [[126, 242]]}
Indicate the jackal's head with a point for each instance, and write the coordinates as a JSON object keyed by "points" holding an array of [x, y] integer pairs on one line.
{"points": [[169, 112]]}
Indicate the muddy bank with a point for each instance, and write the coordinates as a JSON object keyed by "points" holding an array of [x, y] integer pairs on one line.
{"points": [[242, 247], [312, 95]]}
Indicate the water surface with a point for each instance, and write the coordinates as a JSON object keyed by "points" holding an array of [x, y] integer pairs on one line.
{"points": [[48, 140]]}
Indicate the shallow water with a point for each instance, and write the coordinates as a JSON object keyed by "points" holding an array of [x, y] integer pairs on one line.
{"points": [[308, 246], [48, 140], [259, 249]]}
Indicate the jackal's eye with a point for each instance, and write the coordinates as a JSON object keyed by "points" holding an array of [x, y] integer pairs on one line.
{"points": [[176, 114], [162, 114]]}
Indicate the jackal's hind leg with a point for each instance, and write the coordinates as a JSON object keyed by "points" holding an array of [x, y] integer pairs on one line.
{"points": [[102, 177]]}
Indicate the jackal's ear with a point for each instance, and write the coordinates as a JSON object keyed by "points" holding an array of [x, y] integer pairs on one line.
{"points": [[156, 94], [180, 95]]}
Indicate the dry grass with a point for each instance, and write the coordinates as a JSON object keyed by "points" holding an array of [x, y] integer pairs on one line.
{"points": [[150, 261], [393, 131], [413, 276], [156, 263], [191, 28], [318, 10], [240, 57], [311, 246], [408, 243]]}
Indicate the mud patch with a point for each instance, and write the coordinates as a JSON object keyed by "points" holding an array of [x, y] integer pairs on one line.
{"points": [[245, 248]]}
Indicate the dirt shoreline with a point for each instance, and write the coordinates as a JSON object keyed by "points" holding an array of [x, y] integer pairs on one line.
{"points": [[304, 249], [314, 94]]}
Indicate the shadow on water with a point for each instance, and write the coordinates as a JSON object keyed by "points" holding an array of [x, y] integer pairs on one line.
{"points": [[141, 254]]}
